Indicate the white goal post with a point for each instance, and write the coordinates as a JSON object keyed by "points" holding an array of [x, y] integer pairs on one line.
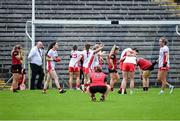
{"points": [[35, 22]]}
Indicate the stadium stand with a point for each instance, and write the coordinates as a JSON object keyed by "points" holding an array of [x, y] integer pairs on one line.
{"points": [[15, 13]]}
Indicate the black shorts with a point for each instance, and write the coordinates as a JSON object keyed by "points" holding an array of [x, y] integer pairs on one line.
{"points": [[16, 68], [112, 71], [150, 68], [100, 89]]}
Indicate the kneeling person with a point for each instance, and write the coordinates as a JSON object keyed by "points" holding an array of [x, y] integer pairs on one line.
{"points": [[98, 85]]}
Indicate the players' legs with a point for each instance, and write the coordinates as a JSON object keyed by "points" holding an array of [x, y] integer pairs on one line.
{"points": [[90, 93], [70, 79], [77, 76], [145, 76], [114, 77], [124, 82], [131, 81], [46, 83], [54, 76], [107, 91], [15, 81]]}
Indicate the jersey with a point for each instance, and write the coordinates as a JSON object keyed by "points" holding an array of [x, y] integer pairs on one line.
{"points": [[75, 56], [15, 61], [130, 59], [144, 64], [97, 79], [113, 57], [162, 56], [87, 58], [124, 52], [95, 62], [51, 54]]}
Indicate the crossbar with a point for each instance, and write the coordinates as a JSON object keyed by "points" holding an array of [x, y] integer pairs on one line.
{"points": [[102, 22]]}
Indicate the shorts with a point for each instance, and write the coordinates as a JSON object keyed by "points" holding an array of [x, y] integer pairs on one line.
{"points": [[112, 70], [96, 89], [74, 69], [16, 68], [164, 68], [128, 67], [86, 70], [146, 73]]}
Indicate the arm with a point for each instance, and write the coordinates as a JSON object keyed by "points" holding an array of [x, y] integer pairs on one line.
{"points": [[78, 60], [31, 54], [97, 50], [112, 50], [166, 59]]}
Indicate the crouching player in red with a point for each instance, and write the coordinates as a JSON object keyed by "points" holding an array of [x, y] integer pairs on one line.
{"points": [[98, 85], [145, 68]]}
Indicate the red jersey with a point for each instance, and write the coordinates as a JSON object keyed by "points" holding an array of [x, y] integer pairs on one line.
{"points": [[97, 79], [113, 57], [144, 64], [15, 61]]}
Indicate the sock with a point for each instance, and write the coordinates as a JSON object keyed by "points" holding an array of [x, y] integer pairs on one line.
{"points": [[144, 88], [147, 88], [170, 86], [122, 91], [86, 85], [112, 89], [161, 91], [78, 86]]}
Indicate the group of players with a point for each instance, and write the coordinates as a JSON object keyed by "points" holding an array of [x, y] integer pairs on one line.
{"points": [[90, 61]]}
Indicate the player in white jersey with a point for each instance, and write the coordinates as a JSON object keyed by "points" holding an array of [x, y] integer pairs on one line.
{"points": [[88, 56], [123, 55], [52, 58], [128, 69], [97, 60], [164, 65], [74, 69]]}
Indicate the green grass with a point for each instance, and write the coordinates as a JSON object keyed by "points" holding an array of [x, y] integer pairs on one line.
{"points": [[75, 105]]}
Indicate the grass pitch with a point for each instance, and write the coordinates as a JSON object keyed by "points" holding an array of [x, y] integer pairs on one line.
{"points": [[75, 105]]}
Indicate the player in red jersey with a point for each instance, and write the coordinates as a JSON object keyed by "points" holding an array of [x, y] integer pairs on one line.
{"points": [[145, 68], [98, 84], [74, 68], [16, 67], [112, 66]]}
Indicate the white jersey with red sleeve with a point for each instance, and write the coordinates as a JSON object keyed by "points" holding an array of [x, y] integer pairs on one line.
{"points": [[124, 52], [51, 54], [130, 59], [87, 58], [162, 56], [75, 56], [95, 62]]}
